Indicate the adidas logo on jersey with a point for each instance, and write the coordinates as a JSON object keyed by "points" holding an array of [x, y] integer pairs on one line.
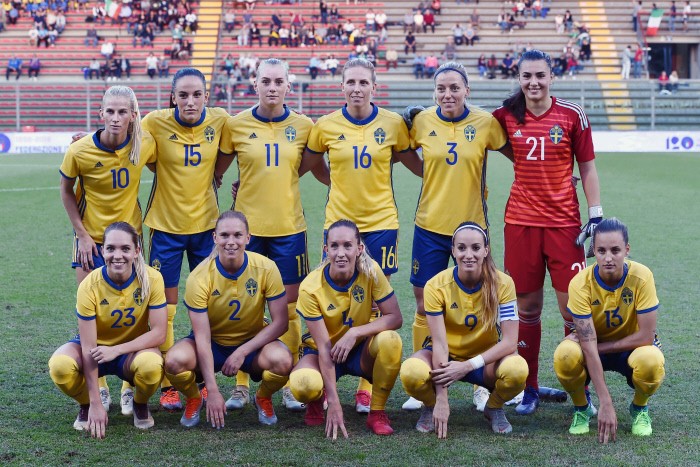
{"points": [[341, 138], [330, 307], [104, 302], [253, 136], [453, 306], [215, 293], [517, 134], [432, 133], [99, 164], [173, 137], [596, 302]]}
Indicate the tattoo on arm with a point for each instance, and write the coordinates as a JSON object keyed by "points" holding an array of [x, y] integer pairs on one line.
{"points": [[585, 330]]}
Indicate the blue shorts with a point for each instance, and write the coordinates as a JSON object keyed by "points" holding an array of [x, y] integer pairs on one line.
{"points": [[115, 367], [431, 255], [616, 362], [382, 246], [288, 252], [222, 352], [351, 366], [97, 260], [166, 253]]}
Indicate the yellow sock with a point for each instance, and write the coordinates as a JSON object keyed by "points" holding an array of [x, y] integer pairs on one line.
{"points": [[270, 384], [570, 369], [68, 378], [242, 379], [185, 383], [126, 385], [386, 349], [364, 385], [292, 338], [306, 384], [648, 372], [415, 377], [510, 380], [102, 382], [169, 340], [421, 332], [147, 368]]}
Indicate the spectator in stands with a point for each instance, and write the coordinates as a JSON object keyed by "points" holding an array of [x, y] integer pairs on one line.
{"points": [[370, 20], [436, 6], [380, 20], [107, 49], [175, 48], [431, 65], [418, 66], [626, 62], [13, 16], [409, 43], [408, 22], [636, 15], [672, 14], [482, 65], [392, 58], [502, 20], [475, 18], [449, 52], [314, 65], [93, 69], [229, 20], [250, 5], [332, 65], [151, 65], [185, 51], [508, 67], [273, 39], [163, 66], [254, 34], [519, 9], [559, 67], [536, 9], [34, 68], [191, 22], [42, 36], [60, 22], [492, 65], [124, 14], [569, 21], [33, 34], [348, 28], [559, 23], [664, 88], [637, 61], [458, 34], [573, 66], [124, 68], [294, 37], [106, 69], [687, 11], [418, 21], [333, 13], [99, 13], [323, 11], [470, 35], [428, 20], [50, 19]]}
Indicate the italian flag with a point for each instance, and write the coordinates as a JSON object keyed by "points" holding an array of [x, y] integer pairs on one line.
{"points": [[654, 21]]}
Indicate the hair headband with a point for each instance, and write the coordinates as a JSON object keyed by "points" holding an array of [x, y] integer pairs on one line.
{"points": [[473, 227]]}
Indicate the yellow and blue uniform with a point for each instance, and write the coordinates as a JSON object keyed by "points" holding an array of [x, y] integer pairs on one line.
{"points": [[454, 182], [614, 312], [108, 184], [183, 207], [269, 154], [360, 157]]}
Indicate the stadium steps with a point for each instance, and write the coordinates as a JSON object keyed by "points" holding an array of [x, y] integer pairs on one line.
{"points": [[207, 38]]}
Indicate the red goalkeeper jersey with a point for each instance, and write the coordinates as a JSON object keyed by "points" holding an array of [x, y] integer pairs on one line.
{"points": [[544, 147]]}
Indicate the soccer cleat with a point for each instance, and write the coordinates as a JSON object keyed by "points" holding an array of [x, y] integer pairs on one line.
{"points": [[517, 399], [579, 425], [481, 395], [290, 403], [498, 420], [378, 422], [266, 413], [314, 412], [127, 401], [641, 421], [81, 422], [191, 416], [170, 399], [142, 417], [591, 408], [105, 398], [426, 424], [362, 401], [205, 393], [412, 404], [530, 402], [239, 398], [551, 394]]}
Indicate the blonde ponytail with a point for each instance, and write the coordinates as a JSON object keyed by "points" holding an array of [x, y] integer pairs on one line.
{"points": [[134, 127], [364, 263]]}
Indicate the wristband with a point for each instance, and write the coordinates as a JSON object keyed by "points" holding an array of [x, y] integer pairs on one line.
{"points": [[476, 362], [595, 211]]}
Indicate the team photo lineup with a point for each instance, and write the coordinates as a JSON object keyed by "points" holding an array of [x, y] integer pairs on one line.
{"points": [[258, 311]]}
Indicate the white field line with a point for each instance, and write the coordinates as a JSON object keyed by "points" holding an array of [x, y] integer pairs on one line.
{"points": [[47, 188]]}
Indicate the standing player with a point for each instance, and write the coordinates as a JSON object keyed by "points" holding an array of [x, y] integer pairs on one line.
{"points": [[614, 307], [336, 301], [182, 208], [362, 142], [108, 165], [122, 320], [472, 316], [454, 138], [542, 214], [226, 295], [268, 141]]}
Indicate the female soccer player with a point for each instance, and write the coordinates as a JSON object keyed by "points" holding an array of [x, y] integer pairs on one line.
{"points": [[226, 296], [336, 300], [122, 320], [268, 141], [362, 142], [614, 307], [108, 165], [542, 214], [472, 316], [182, 208], [454, 138]]}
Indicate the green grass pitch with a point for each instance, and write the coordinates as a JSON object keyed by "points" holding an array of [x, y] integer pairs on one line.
{"points": [[655, 194]]}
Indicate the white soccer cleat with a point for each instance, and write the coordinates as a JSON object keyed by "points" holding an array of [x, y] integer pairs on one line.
{"points": [[127, 401], [105, 398], [412, 404], [481, 396]]}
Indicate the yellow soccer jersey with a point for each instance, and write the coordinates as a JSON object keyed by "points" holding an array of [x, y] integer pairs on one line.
{"points": [[614, 309], [341, 308], [183, 198], [462, 309], [269, 154], [120, 313], [234, 303], [359, 154], [108, 185], [454, 166]]}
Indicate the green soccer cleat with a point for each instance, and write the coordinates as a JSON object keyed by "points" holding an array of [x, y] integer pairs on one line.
{"points": [[641, 422], [579, 425]]}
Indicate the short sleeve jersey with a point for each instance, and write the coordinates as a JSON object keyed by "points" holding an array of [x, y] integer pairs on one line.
{"points": [[463, 312], [360, 157], [544, 147], [614, 310], [454, 166], [183, 198], [269, 154], [119, 311], [341, 307], [108, 183], [234, 303]]}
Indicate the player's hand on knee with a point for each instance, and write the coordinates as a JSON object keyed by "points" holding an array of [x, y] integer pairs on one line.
{"points": [[233, 363], [78, 136]]}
